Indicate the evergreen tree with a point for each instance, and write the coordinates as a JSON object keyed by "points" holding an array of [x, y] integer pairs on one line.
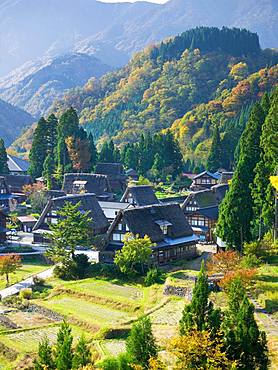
{"points": [[244, 341], [45, 359], [266, 167], [82, 355], [141, 344], [64, 355], [236, 210], [3, 159], [93, 150], [200, 314], [215, 159], [48, 170], [39, 149], [108, 153], [68, 126]]}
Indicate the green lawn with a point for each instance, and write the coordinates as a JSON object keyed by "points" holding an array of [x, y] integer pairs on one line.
{"points": [[28, 269], [266, 287]]}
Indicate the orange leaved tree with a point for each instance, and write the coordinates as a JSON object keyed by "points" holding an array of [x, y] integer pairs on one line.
{"points": [[9, 264]]}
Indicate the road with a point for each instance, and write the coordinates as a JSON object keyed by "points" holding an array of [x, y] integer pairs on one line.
{"points": [[27, 283]]}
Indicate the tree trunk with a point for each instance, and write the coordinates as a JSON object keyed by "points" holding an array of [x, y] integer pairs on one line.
{"points": [[7, 279]]}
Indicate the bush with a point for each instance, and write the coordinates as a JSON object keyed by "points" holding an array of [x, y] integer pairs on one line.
{"points": [[25, 293], [154, 276], [38, 281], [103, 270], [250, 261], [122, 362], [15, 301], [73, 269]]}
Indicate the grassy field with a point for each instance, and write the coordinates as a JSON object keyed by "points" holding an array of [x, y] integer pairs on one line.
{"points": [[28, 269]]}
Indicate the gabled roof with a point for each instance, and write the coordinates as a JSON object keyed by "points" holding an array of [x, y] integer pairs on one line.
{"points": [[143, 195], [145, 221], [88, 203], [207, 197], [110, 169], [215, 175], [93, 183], [209, 212], [16, 182], [50, 194], [16, 164]]}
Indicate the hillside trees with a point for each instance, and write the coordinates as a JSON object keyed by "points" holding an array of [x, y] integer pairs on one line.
{"points": [[38, 151], [236, 210], [3, 159], [215, 157], [267, 166]]}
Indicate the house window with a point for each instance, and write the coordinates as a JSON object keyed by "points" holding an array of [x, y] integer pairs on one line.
{"points": [[118, 237], [120, 227], [164, 229]]}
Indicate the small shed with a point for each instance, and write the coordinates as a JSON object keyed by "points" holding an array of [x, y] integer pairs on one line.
{"points": [[27, 223]]}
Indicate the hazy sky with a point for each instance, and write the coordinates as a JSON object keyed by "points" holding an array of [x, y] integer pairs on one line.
{"points": [[133, 1]]}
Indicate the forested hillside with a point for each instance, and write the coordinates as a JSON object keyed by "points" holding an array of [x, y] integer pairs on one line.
{"points": [[191, 83]]}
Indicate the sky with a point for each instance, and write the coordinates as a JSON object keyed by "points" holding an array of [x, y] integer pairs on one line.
{"points": [[133, 1]]}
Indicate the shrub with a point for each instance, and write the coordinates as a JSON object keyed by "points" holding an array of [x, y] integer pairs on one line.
{"points": [[38, 281], [250, 261], [82, 265], [154, 276], [105, 271], [25, 293], [73, 269], [15, 301]]}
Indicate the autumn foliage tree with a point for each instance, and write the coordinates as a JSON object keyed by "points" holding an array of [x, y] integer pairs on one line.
{"points": [[9, 264]]}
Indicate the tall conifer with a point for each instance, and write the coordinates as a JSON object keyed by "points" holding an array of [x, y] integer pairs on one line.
{"points": [[236, 210], [215, 159], [38, 151]]}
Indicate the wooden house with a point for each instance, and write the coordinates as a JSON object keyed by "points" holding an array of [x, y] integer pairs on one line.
{"points": [[80, 183], [17, 166], [112, 209], [115, 173], [139, 195], [7, 200], [16, 183], [201, 210], [49, 215], [204, 180], [165, 224]]}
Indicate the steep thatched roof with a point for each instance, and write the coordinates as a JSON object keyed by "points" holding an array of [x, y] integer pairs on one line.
{"points": [[207, 197], [93, 183], [147, 220], [17, 182], [110, 169], [16, 164], [88, 203], [143, 195]]}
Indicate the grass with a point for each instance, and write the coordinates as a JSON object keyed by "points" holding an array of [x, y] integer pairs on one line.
{"points": [[266, 286], [28, 269]]}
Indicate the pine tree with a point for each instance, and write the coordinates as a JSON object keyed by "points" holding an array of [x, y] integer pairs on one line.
{"points": [[63, 358], [45, 359], [48, 170], [3, 159], [93, 150], [141, 344], [107, 152], [39, 148], [236, 210], [215, 159], [200, 314], [82, 355], [68, 127], [267, 166], [244, 341]]}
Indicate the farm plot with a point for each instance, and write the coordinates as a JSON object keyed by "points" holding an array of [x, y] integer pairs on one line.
{"points": [[112, 347], [169, 314], [26, 341], [28, 319], [85, 311]]}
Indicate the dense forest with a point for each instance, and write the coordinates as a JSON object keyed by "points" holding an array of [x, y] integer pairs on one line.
{"points": [[202, 79]]}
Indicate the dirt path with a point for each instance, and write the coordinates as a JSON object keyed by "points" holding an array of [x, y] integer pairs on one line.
{"points": [[270, 325]]}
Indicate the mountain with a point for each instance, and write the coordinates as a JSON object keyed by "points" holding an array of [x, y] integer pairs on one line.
{"points": [[12, 121], [30, 29], [36, 85], [190, 83]]}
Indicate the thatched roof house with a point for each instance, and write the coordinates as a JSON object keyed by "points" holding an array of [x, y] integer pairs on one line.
{"points": [[78, 183], [88, 202], [165, 224], [140, 195], [115, 173], [16, 183]]}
